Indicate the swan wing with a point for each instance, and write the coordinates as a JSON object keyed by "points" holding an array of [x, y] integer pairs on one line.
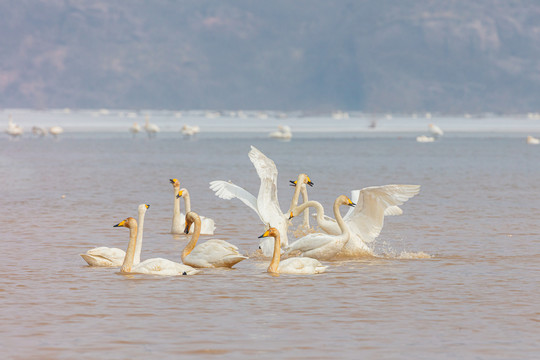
{"points": [[355, 194], [159, 266], [227, 190], [310, 242], [266, 168], [372, 205], [112, 254], [301, 265], [214, 253]]}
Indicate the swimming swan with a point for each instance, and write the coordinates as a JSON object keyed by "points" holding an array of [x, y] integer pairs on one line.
{"points": [[266, 204], [156, 266], [322, 246], [112, 257], [294, 265], [207, 225], [210, 254], [366, 220]]}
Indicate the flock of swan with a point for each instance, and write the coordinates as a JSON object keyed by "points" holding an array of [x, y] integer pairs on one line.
{"points": [[341, 237], [15, 130]]}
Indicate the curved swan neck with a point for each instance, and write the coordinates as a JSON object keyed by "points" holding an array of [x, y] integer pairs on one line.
{"points": [[296, 195], [314, 204], [130, 252], [187, 200], [138, 246], [274, 264], [194, 238], [305, 199], [344, 228]]}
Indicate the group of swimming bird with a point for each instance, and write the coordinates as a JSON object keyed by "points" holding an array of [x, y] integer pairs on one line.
{"points": [[341, 237]]}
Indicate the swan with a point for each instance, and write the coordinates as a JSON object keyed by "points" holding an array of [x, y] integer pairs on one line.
{"points": [[13, 130], [112, 257], [150, 128], [366, 220], [156, 266], [322, 246], [294, 265], [211, 253], [135, 128], [532, 140], [38, 131], [178, 220], [283, 133], [266, 203], [56, 130], [189, 130], [425, 139], [435, 130]]}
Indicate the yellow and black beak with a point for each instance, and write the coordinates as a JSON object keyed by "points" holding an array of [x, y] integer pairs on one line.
{"points": [[121, 224], [292, 183], [179, 194], [147, 206], [266, 233], [186, 229], [291, 215], [350, 203], [309, 182]]}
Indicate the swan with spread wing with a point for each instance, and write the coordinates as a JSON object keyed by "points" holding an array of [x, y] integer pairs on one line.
{"points": [[266, 204]]}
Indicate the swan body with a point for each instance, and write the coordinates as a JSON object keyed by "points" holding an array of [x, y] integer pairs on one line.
{"points": [[150, 128], [425, 139], [532, 140], [13, 129], [156, 266], [366, 220], [294, 265], [189, 130], [210, 254], [56, 130], [323, 246], [135, 128], [266, 204], [435, 130], [38, 131], [283, 133], [113, 257], [178, 221]]}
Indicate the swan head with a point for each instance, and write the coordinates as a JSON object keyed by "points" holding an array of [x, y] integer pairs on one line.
{"points": [[143, 207], [302, 179], [128, 222], [175, 183], [181, 193], [270, 232], [191, 217], [344, 200]]}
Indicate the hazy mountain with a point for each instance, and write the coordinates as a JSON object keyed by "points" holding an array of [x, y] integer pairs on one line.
{"points": [[372, 55]]}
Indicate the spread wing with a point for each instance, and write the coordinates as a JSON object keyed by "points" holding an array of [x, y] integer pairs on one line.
{"points": [[227, 190], [373, 203], [390, 211], [266, 168]]}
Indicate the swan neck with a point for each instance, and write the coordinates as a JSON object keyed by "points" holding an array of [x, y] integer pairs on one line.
{"points": [[296, 195], [194, 238], [339, 219], [318, 207], [138, 246], [176, 218], [274, 264], [187, 201], [130, 252], [305, 199]]}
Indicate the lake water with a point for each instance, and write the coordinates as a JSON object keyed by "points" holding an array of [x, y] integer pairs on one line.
{"points": [[457, 275]]}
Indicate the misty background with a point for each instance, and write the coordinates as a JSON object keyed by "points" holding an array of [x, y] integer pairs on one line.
{"points": [[374, 55]]}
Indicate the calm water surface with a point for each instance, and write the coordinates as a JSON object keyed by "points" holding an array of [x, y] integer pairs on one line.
{"points": [[457, 274]]}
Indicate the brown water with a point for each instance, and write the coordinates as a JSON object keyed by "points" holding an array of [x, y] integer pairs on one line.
{"points": [[457, 275]]}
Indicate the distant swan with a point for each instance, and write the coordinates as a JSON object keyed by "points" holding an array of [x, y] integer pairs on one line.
{"points": [[111, 257], [151, 129], [318, 245], [425, 139], [156, 266], [366, 220], [266, 204], [178, 221], [211, 253], [283, 133], [532, 140], [135, 128], [435, 130], [56, 130], [294, 265], [13, 130]]}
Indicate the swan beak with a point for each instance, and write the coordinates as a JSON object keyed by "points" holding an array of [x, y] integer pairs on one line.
{"points": [[120, 224], [291, 216], [186, 229], [292, 183], [266, 233], [173, 181], [310, 183], [179, 194], [147, 206], [351, 203]]}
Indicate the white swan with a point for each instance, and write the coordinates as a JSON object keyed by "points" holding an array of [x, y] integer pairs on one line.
{"points": [[322, 246], [283, 133], [56, 130], [435, 130], [532, 140], [111, 257], [38, 131], [135, 128], [156, 266], [13, 130], [190, 130], [210, 254], [178, 219], [425, 139], [150, 128], [266, 204], [366, 220], [294, 265]]}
